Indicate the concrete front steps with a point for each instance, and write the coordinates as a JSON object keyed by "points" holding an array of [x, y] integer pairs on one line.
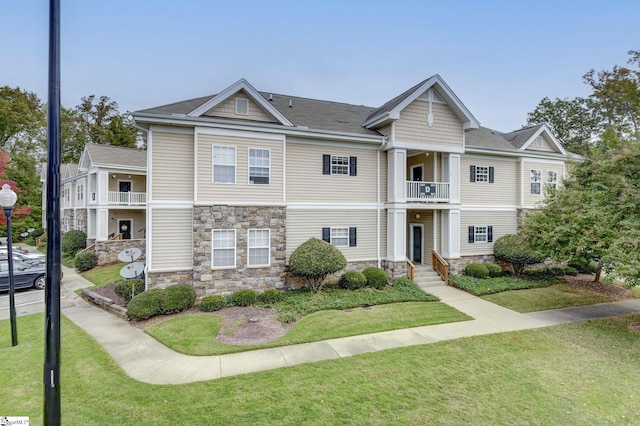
{"points": [[426, 277]]}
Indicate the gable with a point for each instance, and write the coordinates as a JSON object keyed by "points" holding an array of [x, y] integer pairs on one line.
{"points": [[542, 143], [228, 109], [430, 122]]}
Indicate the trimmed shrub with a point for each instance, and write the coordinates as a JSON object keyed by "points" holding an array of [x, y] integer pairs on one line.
{"points": [[212, 303], [477, 270], [352, 280], [270, 296], [124, 289], [515, 250], [85, 261], [177, 298], [494, 270], [243, 298], [550, 272], [37, 233], [73, 241], [145, 305], [376, 277], [315, 260]]}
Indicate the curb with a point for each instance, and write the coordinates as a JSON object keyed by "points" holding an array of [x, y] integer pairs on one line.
{"points": [[104, 303]]}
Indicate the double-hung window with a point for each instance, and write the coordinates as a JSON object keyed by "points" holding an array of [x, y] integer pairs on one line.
{"points": [[481, 174], [223, 242], [552, 179], [535, 178], [339, 165], [224, 164], [259, 246], [259, 166], [340, 236], [481, 234]]}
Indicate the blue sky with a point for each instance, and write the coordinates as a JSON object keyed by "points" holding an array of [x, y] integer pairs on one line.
{"points": [[500, 57]]}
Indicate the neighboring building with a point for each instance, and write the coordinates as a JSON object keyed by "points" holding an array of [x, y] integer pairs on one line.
{"points": [[105, 196], [238, 180]]}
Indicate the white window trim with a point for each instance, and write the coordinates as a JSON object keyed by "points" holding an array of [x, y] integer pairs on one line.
{"points": [[268, 247], [484, 175], [235, 164], [249, 166], [532, 181], [348, 165], [552, 183], [346, 245], [485, 234], [239, 101], [235, 249]]}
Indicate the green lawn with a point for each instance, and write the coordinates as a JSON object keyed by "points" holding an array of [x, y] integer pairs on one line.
{"points": [[103, 275], [573, 374], [196, 334]]}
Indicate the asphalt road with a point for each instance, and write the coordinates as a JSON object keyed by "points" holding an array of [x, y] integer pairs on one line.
{"points": [[28, 301]]}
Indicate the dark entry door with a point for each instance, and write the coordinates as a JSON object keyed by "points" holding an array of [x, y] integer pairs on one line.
{"points": [[124, 227], [125, 186], [417, 244]]}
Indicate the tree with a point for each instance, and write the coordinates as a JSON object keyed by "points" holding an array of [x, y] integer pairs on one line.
{"points": [[103, 124], [315, 260], [22, 120], [515, 250], [596, 214], [20, 210]]}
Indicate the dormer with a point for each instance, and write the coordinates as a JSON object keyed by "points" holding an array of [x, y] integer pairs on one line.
{"points": [[536, 138]]}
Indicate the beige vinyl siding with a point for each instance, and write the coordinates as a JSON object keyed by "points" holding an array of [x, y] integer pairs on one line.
{"points": [[138, 182], [426, 220], [532, 200], [172, 162], [427, 166], [306, 183], [241, 191], [413, 127], [503, 223], [303, 224], [227, 109], [502, 192], [171, 239], [546, 146], [385, 130]]}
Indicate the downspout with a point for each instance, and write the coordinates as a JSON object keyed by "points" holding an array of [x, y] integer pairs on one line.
{"points": [[147, 211], [378, 221]]}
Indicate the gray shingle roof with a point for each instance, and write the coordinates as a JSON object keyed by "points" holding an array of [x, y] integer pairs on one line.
{"points": [[106, 155], [519, 137], [487, 138], [390, 105]]}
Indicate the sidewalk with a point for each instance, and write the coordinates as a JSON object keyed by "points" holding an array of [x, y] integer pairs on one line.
{"points": [[147, 360]]}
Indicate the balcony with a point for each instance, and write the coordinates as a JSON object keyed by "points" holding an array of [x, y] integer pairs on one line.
{"points": [[427, 192], [127, 198]]}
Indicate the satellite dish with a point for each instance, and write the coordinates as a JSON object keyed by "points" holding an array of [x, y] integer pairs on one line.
{"points": [[24, 234], [132, 270], [129, 255], [30, 230]]}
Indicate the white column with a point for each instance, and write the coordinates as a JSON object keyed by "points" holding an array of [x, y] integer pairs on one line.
{"points": [[102, 187], [451, 174], [102, 225], [397, 188], [397, 235], [450, 234]]}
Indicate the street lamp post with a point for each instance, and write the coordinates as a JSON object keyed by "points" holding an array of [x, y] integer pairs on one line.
{"points": [[8, 199]]}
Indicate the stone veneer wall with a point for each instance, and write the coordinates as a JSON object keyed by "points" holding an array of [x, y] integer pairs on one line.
{"points": [[241, 218], [69, 215], [81, 214], [456, 266], [395, 269], [107, 251], [165, 279]]}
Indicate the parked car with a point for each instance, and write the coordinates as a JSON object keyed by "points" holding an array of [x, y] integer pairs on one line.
{"points": [[14, 249], [30, 258], [24, 275]]}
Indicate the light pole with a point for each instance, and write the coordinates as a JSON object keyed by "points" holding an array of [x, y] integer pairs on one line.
{"points": [[8, 199]]}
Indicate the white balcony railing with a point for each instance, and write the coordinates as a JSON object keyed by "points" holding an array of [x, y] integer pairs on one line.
{"points": [[427, 192], [128, 198]]}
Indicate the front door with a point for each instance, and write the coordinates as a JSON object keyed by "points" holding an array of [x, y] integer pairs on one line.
{"points": [[124, 227], [124, 186], [417, 173], [416, 244]]}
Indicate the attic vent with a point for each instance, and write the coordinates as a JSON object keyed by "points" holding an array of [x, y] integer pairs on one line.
{"points": [[242, 106]]}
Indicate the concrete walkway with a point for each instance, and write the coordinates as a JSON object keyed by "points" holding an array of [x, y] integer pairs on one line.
{"points": [[147, 360]]}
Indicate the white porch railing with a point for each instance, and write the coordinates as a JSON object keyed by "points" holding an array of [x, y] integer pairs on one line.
{"points": [[127, 198], [427, 192]]}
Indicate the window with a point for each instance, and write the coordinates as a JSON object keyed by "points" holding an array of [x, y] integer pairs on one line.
{"points": [[552, 179], [242, 106], [259, 245], [224, 248], [224, 164], [340, 236], [481, 174], [259, 166], [481, 234], [339, 165], [80, 191], [534, 181]]}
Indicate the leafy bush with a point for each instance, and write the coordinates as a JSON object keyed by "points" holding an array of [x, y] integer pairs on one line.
{"points": [[515, 250], [38, 232], [177, 298], [376, 277], [85, 261], [584, 266], [270, 296], [73, 241], [352, 280], [243, 298], [550, 272], [477, 270], [125, 288], [212, 303], [315, 260], [494, 270], [145, 305]]}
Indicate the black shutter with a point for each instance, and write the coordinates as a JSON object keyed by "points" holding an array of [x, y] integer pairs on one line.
{"points": [[490, 234], [353, 163], [352, 237], [472, 173], [326, 164], [490, 174], [326, 234], [472, 233]]}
